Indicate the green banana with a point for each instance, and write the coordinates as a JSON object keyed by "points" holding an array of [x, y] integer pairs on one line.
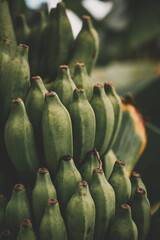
{"points": [[109, 160], [3, 204], [104, 118], [22, 30], [61, 42], [18, 208], [6, 29], [46, 42], [34, 42], [90, 163], [26, 231], [141, 212], [80, 214], [120, 181], [5, 55], [123, 227], [136, 182], [82, 80], [63, 85], [86, 46], [20, 142], [52, 226], [7, 234], [65, 182], [83, 125], [34, 104], [56, 132], [117, 108], [42, 191], [17, 79], [103, 195]]}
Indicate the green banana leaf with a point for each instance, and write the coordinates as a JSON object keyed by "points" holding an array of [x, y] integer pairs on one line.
{"points": [[132, 139]]}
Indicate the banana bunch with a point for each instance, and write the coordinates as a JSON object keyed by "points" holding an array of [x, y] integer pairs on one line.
{"points": [[59, 176]]}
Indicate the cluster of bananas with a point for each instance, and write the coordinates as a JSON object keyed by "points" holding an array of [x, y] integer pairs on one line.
{"points": [[68, 126], [52, 43]]}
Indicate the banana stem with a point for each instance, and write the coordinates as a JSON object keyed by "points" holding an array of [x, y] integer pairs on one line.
{"points": [[98, 157]]}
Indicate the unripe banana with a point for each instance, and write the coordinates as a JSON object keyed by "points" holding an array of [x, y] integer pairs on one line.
{"points": [[34, 104], [61, 42], [117, 108], [104, 199], [65, 181], [18, 208], [34, 42], [90, 163], [22, 30], [6, 29], [83, 125], [120, 181], [42, 191], [86, 46], [5, 56], [3, 204], [136, 182], [63, 85], [82, 80], [56, 132], [26, 231], [20, 142], [104, 118], [109, 160], [80, 214], [52, 225], [17, 79], [7, 234], [141, 212], [123, 227]]}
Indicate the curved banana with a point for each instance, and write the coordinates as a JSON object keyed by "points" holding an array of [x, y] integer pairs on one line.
{"points": [[83, 125], [52, 226], [17, 79], [90, 163], [63, 85], [104, 199], [82, 79], [42, 191], [86, 46], [26, 231], [22, 29], [34, 105], [136, 181], [104, 118], [56, 132], [123, 226], [120, 181], [20, 142], [65, 182], [117, 108], [141, 212], [80, 214], [18, 208]]}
